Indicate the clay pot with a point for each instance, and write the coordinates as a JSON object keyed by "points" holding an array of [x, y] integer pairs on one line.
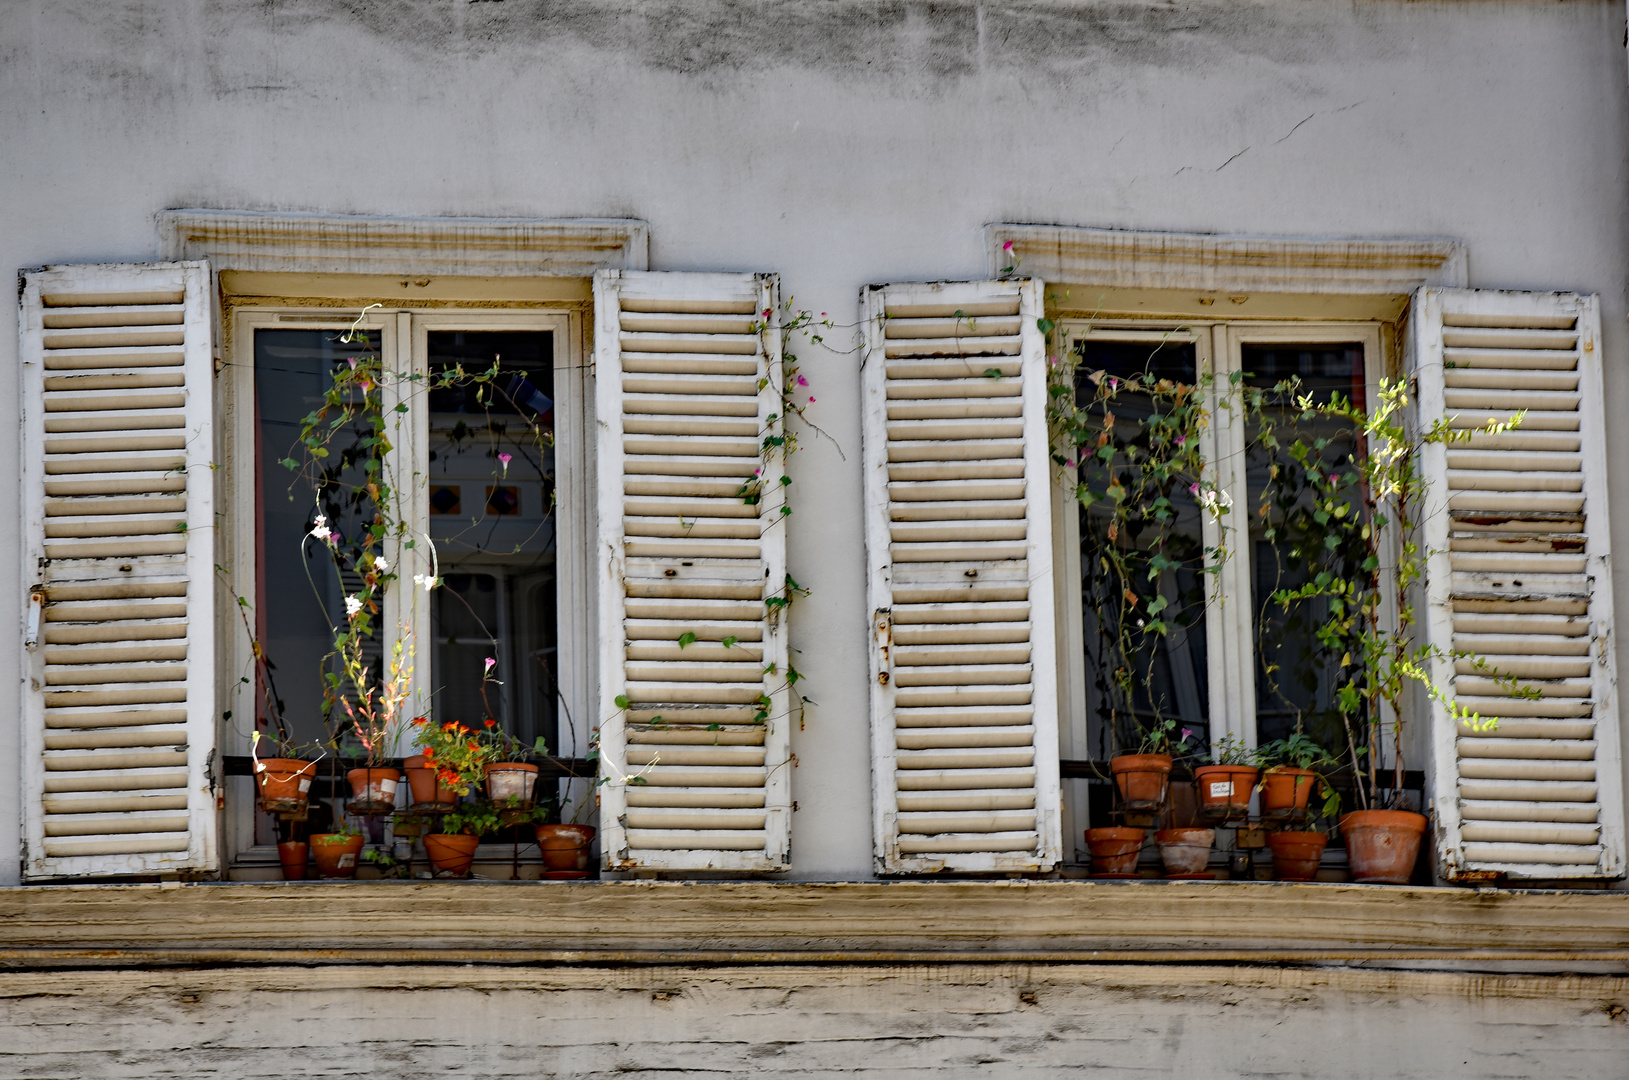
{"points": [[565, 847], [506, 780], [1114, 850], [1381, 845], [373, 791], [424, 782], [284, 783], [451, 853], [1296, 854], [1185, 851], [1285, 790], [293, 854], [1142, 779], [336, 854], [1224, 790]]}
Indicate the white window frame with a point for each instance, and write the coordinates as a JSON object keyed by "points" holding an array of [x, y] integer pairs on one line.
{"points": [[404, 346], [1230, 674]]}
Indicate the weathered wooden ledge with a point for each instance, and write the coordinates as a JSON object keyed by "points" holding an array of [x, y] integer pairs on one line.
{"points": [[789, 922]]}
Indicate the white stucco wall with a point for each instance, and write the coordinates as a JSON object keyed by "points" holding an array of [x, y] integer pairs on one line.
{"points": [[837, 143]]}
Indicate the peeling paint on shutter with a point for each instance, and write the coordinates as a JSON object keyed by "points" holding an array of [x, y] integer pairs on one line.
{"points": [[117, 444], [1519, 577], [959, 544], [693, 779]]}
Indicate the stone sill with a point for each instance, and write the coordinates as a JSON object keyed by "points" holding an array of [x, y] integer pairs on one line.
{"points": [[678, 922]]}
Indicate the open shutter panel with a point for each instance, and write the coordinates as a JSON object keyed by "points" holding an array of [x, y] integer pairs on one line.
{"points": [[695, 766], [1519, 580], [959, 545], [117, 374]]}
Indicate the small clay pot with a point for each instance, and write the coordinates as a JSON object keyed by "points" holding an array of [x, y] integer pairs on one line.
{"points": [[1185, 851], [1285, 791], [506, 780], [451, 853], [1224, 790], [1382, 845], [336, 854], [424, 783], [565, 847], [1296, 854], [284, 783], [373, 791], [1142, 779], [1114, 849], [293, 854]]}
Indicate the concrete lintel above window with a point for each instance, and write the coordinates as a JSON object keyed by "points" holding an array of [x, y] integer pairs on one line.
{"points": [[404, 246], [1128, 259]]}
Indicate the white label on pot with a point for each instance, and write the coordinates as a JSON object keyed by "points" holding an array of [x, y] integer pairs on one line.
{"points": [[387, 788], [346, 860], [305, 784], [1221, 789]]}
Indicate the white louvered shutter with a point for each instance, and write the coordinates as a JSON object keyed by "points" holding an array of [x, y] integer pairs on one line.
{"points": [[959, 551], [694, 778], [119, 727], [1518, 577]]}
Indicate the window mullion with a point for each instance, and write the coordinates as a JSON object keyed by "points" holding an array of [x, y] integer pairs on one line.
{"points": [[1228, 617]]}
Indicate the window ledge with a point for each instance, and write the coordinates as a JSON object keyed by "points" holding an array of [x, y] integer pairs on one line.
{"points": [[654, 922]]}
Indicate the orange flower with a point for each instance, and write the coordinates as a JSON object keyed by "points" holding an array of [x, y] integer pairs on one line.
{"points": [[491, 722]]}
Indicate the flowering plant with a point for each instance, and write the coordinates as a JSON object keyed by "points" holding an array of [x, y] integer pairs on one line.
{"points": [[459, 755]]}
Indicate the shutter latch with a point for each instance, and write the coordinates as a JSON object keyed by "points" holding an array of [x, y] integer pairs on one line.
{"points": [[36, 608]]}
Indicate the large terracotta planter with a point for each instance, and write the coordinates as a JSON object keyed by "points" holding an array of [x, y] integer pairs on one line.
{"points": [[565, 847], [1185, 851], [1142, 779], [293, 854], [1224, 790], [1381, 845], [1296, 854], [424, 784], [451, 853], [1114, 850], [373, 791], [336, 854], [1285, 791], [284, 783], [510, 783]]}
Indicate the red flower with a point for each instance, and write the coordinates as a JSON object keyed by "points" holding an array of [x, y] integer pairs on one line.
{"points": [[491, 722]]}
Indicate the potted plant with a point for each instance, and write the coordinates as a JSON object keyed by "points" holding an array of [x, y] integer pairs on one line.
{"points": [[452, 759], [1296, 853], [1360, 518], [1114, 850], [1185, 852], [336, 853], [1292, 770], [1224, 786]]}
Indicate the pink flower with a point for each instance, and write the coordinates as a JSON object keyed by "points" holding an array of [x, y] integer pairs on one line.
{"points": [[811, 400], [1070, 464], [767, 313], [802, 381], [1186, 732], [1114, 384], [490, 664], [333, 538], [1007, 247], [352, 362], [1180, 439], [505, 459], [1193, 489]]}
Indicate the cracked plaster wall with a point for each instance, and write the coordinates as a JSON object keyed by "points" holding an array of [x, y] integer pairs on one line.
{"points": [[838, 142]]}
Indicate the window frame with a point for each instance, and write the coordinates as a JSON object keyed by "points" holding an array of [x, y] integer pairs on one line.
{"points": [[1230, 674], [404, 346]]}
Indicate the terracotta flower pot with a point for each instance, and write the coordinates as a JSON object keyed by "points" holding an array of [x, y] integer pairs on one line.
{"points": [[507, 780], [451, 853], [293, 854], [1285, 791], [1142, 779], [565, 847], [1114, 850], [336, 854], [424, 782], [1185, 851], [1224, 790], [373, 791], [1381, 845], [1296, 854], [284, 783]]}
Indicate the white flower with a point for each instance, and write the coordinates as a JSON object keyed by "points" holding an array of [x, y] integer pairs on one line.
{"points": [[320, 529], [426, 580], [352, 605], [381, 565], [1215, 501]]}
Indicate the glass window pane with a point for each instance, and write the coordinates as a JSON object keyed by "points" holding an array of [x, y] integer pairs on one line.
{"points": [[491, 505], [1297, 675], [1166, 670]]}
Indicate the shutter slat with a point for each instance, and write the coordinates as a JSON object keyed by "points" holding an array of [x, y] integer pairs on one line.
{"points": [[958, 527], [1519, 584], [693, 781], [117, 411]]}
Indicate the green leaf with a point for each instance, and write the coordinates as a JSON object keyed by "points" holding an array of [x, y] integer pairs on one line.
{"points": [[729, 642], [686, 638], [622, 701]]}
